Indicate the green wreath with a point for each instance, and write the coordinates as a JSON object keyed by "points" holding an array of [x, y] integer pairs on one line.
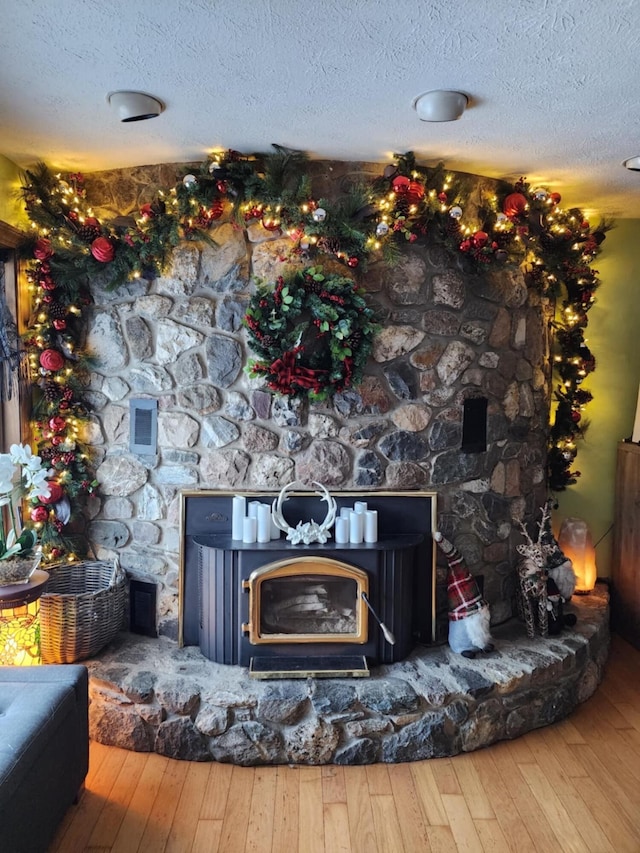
{"points": [[312, 334]]}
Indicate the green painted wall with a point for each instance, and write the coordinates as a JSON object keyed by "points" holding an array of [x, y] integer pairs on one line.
{"points": [[613, 336], [11, 209]]}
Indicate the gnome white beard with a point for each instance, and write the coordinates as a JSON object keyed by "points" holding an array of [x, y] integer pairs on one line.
{"points": [[472, 633], [565, 579]]}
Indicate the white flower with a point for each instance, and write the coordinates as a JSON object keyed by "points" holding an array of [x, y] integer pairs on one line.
{"points": [[7, 472], [22, 475]]}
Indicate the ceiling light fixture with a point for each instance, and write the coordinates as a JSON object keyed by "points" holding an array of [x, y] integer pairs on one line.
{"points": [[633, 164], [440, 105], [134, 106]]}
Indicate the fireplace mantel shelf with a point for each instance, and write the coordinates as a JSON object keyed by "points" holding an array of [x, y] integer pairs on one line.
{"points": [[388, 543]]}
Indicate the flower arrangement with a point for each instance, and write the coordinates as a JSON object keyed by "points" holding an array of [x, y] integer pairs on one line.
{"points": [[22, 476]]}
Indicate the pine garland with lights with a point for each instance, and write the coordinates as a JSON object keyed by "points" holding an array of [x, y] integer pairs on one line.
{"points": [[406, 204]]}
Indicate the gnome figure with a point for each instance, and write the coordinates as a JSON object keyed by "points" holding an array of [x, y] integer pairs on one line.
{"points": [[469, 616], [559, 567]]}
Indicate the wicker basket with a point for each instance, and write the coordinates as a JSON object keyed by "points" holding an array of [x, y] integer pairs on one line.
{"points": [[81, 610]]}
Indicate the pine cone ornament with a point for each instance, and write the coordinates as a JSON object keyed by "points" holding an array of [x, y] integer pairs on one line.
{"points": [[330, 245], [453, 227], [269, 341], [402, 205], [57, 311], [88, 233], [52, 392]]}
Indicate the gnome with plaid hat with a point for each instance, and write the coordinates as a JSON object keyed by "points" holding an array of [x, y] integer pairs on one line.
{"points": [[469, 616]]}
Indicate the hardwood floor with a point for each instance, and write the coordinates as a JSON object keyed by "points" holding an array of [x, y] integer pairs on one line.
{"points": [[573, 787]]}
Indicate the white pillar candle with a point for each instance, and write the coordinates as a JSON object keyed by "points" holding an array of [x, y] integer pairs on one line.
{"points": [[252, 510], [264, 523], [635, 436], [345, 512], [342, 530], [356, 527], [360, 506], [371, 526], [249, 530], [239, 504]]}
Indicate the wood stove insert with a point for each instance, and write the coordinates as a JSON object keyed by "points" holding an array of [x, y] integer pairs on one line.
{"points": [[283, 609]]}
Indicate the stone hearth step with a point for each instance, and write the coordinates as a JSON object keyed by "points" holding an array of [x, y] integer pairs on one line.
{"points": [[150, 695]]}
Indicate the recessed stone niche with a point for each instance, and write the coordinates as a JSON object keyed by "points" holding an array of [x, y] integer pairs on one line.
{"points": [[447, 338]]}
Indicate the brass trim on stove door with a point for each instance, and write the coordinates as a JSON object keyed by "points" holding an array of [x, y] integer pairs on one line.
{"points": [[321, 566]]}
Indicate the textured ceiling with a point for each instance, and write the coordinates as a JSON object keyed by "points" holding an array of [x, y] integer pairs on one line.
{"points": [[553, 84]]}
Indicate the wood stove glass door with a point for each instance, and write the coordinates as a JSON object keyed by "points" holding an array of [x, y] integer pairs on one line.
{"points": [[307, 600]]}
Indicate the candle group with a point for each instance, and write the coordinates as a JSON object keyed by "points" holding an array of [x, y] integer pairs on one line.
{"points": [[252, 522], [356, 525]]}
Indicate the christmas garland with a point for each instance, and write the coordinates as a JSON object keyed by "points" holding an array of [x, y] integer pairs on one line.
{"points": [[312, 333], [406, 204]]}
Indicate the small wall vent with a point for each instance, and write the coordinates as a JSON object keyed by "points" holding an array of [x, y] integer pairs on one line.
{"points": [[142, 608], [474, 425], [143, 429]]}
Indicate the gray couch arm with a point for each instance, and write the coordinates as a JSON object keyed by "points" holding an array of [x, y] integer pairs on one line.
{"points": [[44, 751]]}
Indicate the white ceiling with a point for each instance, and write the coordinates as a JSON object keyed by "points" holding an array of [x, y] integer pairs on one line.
{"points": [[553, 84]]}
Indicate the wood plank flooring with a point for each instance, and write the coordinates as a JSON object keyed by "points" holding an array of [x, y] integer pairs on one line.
{"points": [[573, 787]]}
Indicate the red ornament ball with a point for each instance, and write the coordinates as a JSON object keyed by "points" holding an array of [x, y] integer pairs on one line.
{"points": [[556, 198], [43, 249], [57, 424], [480, 238], [575, 416], [514, 205], [39, 513], [401, 184], [103, 250], [56, 493], [353, 262], [415, 192], [59, 325], [51, 359]]}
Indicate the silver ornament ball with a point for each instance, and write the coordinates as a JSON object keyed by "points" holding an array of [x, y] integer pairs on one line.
{"points": [[319, 214], [455, 212], [381, 229]]}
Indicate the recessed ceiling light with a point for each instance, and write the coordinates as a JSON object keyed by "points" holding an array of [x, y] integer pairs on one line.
{"points": [[134, 106], [633, 164], [440, 105]]}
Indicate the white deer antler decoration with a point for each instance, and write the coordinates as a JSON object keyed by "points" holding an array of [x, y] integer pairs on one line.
{"points": [[310, 531]]}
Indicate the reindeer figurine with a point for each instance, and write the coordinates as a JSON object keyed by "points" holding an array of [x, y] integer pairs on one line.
{"points": [[532, 575]]}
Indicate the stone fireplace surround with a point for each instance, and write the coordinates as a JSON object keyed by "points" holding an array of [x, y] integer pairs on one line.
{"points": [[149, 695], [447, 336]]}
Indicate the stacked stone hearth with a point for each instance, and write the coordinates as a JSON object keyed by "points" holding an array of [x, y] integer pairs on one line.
{"points": [[150, 696], [446, 336]]}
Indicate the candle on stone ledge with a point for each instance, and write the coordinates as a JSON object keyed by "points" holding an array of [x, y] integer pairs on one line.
{"points": [[371, 526], [360, 506], [342, 530], [239, 504], [356, 527], [264, 523], [249, 530]]}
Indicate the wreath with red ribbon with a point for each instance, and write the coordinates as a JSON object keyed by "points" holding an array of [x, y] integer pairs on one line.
{"points": [[312, 334]]}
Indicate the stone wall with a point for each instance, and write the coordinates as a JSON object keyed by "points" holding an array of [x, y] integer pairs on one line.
{"points": [[446, 336]]}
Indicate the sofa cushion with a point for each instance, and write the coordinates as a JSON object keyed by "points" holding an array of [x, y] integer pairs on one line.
{"points": [[30, 715]]}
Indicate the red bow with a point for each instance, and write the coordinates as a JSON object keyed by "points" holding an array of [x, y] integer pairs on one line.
{"points": [[287, 372]]}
